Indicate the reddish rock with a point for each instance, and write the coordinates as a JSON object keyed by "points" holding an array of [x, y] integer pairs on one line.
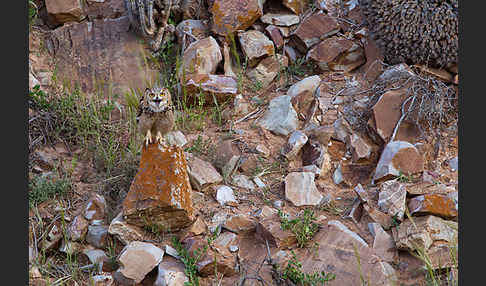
{"points": [[255, 45], [387, 112], [101, 49], [398, 157], [268, 68], [77, 228], [300, 189], [356, 173], [296, 6], [439, 205], [105, 9], [123, 231], [240, 223], [201, 173], [137, 259], [275, 35], [376, 215], [439, 73], [189, 31], [374, 58], [430, 188], [313, 29], [222, 87], [392, 198], [63, 11], [230, 16], [95, 208], [383, 243], [337, 54], [269, 229], [224, 152], [201, 57], [359, 147], [160, 193]]}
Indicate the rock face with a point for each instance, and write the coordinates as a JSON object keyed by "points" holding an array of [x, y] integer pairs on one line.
{"points": [[201, 173], [230, 16], [255, 45], [337, 245], [170, 273], [160, 193], [392, 198], [137, 259], [301, 190], [280, 19], [431, 234], [268, 69], [63, 11], [313, 29], [398, 157], [439, 205], [102, 49], [201, 57], [337, 54], [280, 117]]}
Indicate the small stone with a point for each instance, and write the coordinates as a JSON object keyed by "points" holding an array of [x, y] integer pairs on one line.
{"points": [[171, 272], [77, 228], [255, 45], [454, 164], [137, 259], [239, 223], [301, 190], [102, 280], [123, 231], [337, 177], [201, 173], [233, 248], [261, 149], [269, 229], [95, 208], [313, 29], [280, 116], [259, 183], [52, 239], [359, 147], [242, 181], [70, 247], [296, 6], [430, 188], [392, 198], [279, 19], [176, 138], [96, 256], [337, 54], [278, 204], [439, 205], [230, 167], [356, 211], [398, 157], [296, 140], [201, 57], [342, 130], [225, 196], [197, 228], [275, 36], [268, 68], [172, 252], [376, 215], [97, 235], [265, 212], [307, 85], [211, 86], [383, 243]]}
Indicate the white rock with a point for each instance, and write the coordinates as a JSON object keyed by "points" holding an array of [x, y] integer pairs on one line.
{"points": [[308, 84], [300, 189], [176, 138], [225, 195]]}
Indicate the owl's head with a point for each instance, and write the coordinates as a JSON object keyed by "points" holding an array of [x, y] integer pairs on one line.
{"points": [[158, 99]]}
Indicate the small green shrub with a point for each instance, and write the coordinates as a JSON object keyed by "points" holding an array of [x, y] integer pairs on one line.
{"points": [[42, 188], [293, 272], [303, 227], [189, 261]]}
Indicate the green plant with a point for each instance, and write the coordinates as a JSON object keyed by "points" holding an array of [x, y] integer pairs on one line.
{"points": [[32, 12], [293, 272], [303, 226], [189, 261], [257, 85], [298, 68], [200, 146], [43, 188]]}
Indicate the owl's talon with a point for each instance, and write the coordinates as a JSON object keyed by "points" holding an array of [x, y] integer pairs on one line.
{"points": [[148, 138]]}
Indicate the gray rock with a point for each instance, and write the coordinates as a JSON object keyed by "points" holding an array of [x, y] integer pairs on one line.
{"points": [[300, 189], [242, 181], [201, 57], [398, 157], [255, 45], [278, 204], [176, 138], [225, 195], [280, 118], [296, 140], [308, 84], [359, 147], [259, 182], [279, 19], [337, 177], [97, 235], [171, 251], [454, 164], [201, 173], [392, 198], [193, 30], [171, 273], [383, 243], [137, 259]]}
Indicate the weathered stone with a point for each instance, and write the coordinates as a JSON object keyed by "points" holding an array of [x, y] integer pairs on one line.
{"points": [[261, 149], [269, 229], [341, 130], [70, 247], [307, 85], [160, 193], [430, 234], [123, 231], [373, 66], [230, 167], [280, 117], [102, 280], [291, 53], [337, 248], [280, 19], [228, 70], [137, 259], [170, 273], [95, 208], [242, 181], [239, 223], [296, 6], [398, 157], [356, 173], [189, 31], [77, 228], [255, 46], [387, 112], [314, 153], [301, 190], [225, 196], [439, 73], [97, 235], [169, 250], [439, 205], [296, 140], [453, 164], [266, 71], [265, 212], [313, 29], [52, 239], [225, 150], [101, 49], [321, 134], [201, 57], [392, 198], [258, 182], [376, 215], [275, 36], [220, 86], [63, 11], [96, 256], [201, 173], [231, 16], [176, 138], [360, 148], [356, 211], [383, 243], [430, 188], [337, 54], [105, 9]]}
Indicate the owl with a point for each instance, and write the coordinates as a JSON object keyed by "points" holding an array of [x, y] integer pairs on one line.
{"points": [[155, 114]]}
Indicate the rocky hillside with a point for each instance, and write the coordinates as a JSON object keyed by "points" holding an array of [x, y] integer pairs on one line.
{"points": [[301, 154]]}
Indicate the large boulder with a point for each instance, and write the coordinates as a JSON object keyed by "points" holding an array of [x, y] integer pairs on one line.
{"points": [[201, 57], [62, 11], [160, 193], [230, 16]]}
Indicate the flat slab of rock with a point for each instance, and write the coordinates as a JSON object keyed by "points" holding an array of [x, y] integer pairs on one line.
{"points": [[275, 35], [387, 112], [337, 246], [360, 148], [337, 54], [280, 19], [392, 198], [430, 188], [439, 205], [97, 235], [313, 29], [281, 117], [220, 86], [160, 193], [383, 243], [240, 223], [300, 189], [201, 173], [137, 259], [242, 181], [267, 69], [201, 57], [269, 229], [123, 231], [255, 46], [307, 85], [231, 16], [398, 157]]}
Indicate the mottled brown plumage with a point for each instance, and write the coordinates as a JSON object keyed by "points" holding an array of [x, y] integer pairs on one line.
{"points": [[155, 114]]}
